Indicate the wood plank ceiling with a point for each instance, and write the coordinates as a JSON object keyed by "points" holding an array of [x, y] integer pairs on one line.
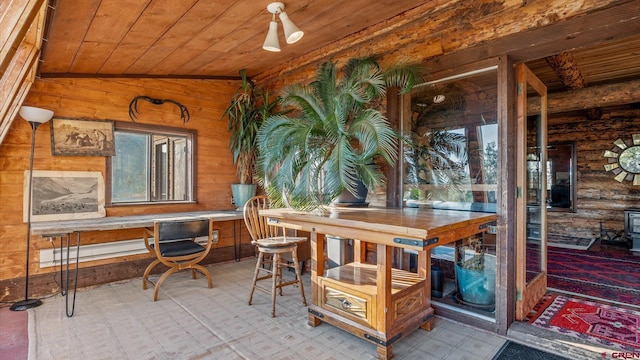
{"points": [[214, 39], [194, 37]]}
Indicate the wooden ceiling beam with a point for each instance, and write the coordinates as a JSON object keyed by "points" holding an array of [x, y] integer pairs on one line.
{"points": [[15, 21], [20, 64], [621, 93], [450, 36], [565, 66], [614, 22]]}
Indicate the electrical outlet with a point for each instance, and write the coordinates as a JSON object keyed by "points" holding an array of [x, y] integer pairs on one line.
{"points": [[202, 240]]}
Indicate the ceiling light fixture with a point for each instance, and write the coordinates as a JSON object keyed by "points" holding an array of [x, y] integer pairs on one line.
{"points": [[292, 33]]}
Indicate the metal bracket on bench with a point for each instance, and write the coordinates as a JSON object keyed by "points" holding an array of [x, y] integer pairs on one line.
{"points": [[413, 242], [382, 342], [490, 226], [315, 313], [492, 223], [273, 221], [428, 317]]}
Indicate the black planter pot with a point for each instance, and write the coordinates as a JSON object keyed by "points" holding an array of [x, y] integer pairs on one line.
{"points": [[348, 199]]}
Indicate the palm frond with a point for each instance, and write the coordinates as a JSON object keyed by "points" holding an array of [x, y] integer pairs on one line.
{"points": [[375, 135], [404, 77]]}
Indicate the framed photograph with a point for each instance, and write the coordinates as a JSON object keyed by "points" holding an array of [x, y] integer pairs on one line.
{"points": [[81, 137], [64, 195]]}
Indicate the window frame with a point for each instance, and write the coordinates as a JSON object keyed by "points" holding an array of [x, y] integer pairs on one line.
{"points": [[191, 136]]}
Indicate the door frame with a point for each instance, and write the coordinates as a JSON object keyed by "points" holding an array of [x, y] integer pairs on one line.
{"points": [[528, 294]]}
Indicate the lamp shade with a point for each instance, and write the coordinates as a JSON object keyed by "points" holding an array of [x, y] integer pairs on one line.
{"points": [[271, 42], [291, 32], [34, 114]]}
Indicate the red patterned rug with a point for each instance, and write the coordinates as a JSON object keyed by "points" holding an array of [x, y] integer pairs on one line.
{"points": [[609, 326], [590, 273]]}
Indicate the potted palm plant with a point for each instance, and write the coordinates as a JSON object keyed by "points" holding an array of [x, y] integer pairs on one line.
{"points": [[247, 109], [333, 135]]}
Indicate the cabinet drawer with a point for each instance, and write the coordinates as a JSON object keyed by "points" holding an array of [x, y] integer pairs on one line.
{"points": [[357, 307]]}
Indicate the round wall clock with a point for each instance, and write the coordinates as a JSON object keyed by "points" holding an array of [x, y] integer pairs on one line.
{"points": [[624, 160]]}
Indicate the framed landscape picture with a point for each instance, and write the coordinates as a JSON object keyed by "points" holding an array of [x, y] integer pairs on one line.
{"points": [[64, 195], [81, 137]]}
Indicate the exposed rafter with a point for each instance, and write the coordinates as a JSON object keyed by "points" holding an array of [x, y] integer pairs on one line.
{"points": [[567, 69], [581, 99]]}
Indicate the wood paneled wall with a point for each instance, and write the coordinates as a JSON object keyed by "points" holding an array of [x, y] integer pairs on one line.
{"points": [[600, 198], [109, 99]]}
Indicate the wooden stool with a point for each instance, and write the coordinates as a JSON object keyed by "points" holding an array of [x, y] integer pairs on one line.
{"points": [[275, 247]]}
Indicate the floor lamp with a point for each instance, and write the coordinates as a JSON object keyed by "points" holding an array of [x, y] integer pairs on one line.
{"points": [[35, 117]]}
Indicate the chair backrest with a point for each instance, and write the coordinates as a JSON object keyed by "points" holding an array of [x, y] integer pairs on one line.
{"points": [[256, 224], [172, 230]]}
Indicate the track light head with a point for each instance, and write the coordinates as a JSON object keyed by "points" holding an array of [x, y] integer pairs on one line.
{"points": [[291, 32]]}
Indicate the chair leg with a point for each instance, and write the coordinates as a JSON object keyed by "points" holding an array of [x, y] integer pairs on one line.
{"points": [[280, 265], [255, 275], [275, 268], [294, 255], [205, 272], [161, 280], [145, 277]]}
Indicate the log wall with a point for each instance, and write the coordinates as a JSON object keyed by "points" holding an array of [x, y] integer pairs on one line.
{"points": [[600, 198], [109, 99]]}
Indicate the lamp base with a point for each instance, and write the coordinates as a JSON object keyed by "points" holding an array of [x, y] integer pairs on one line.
{"points": [[275, 7], [25, 304]]}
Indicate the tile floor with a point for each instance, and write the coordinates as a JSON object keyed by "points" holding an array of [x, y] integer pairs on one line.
{"points": [[189, 321]]}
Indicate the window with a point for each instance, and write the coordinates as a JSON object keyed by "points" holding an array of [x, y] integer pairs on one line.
{"points": [[450, 153], [152, 164]]}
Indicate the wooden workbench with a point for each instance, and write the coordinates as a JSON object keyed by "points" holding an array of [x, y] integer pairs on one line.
{"points": [[375, 301]]}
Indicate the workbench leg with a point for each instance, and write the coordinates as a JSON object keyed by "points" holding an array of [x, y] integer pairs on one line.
{"points": [[314, 321], [385, 352], [427, 326]]}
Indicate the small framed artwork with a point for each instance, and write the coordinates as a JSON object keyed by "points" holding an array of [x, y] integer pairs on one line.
{"points": [[64, 195], [82, 137]]}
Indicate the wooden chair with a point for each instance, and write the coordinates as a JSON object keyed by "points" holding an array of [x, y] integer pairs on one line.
{"points": [[173, 244], [271, 241]]}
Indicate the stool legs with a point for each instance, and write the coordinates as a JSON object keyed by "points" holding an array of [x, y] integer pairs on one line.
{"points": [[296, 264], [275, 273], [255, 275]]}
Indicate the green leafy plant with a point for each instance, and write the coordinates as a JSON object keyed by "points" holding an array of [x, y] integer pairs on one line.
{"points": [[247, 110], [476, 261], [334, 135]]}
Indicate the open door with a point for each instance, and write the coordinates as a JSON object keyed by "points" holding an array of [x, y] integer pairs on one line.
{"points": [[531, 229]]}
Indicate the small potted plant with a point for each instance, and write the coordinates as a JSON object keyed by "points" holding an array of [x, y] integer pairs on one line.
{"points": [[247, 109], [476, 274]]}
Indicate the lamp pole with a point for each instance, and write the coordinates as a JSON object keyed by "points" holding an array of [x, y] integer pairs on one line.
{"points": [[30, 303]]}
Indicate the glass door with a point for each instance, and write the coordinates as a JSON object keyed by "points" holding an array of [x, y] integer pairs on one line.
{"points": [[451, 163], [531, 230]]}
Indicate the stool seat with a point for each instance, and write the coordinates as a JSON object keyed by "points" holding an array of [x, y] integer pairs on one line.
{"points": [[278, 241]]}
